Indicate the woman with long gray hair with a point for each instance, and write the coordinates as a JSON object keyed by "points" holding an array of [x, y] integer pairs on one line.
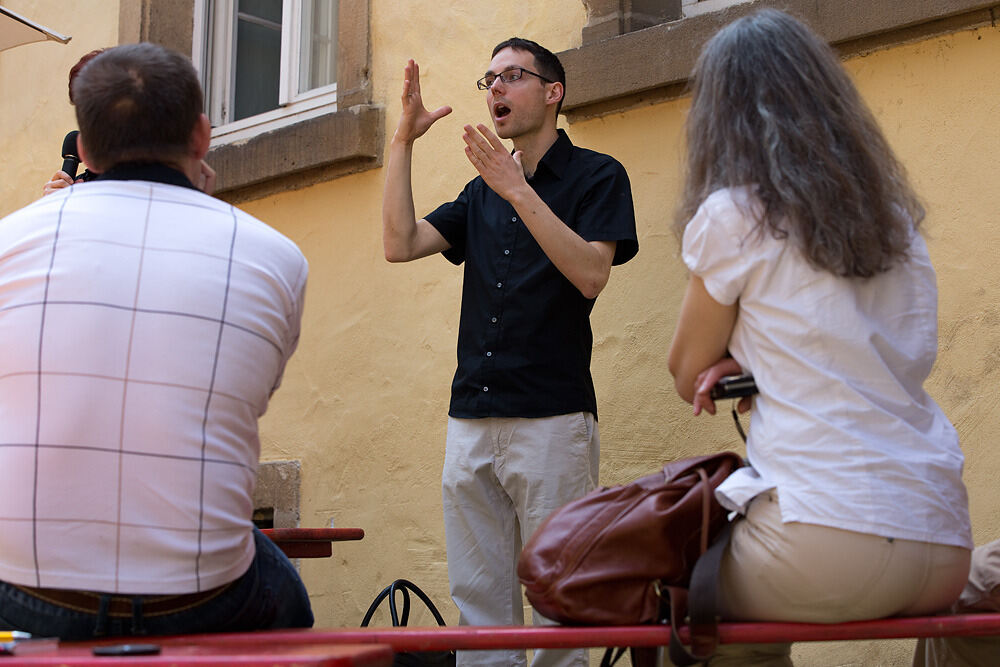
{"points": [[800, 231]]}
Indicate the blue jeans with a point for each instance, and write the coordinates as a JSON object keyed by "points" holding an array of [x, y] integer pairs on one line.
{"points": [[269, 595]]}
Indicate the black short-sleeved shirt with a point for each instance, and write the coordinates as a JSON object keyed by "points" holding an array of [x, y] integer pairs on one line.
{"points": [[524, 338]]}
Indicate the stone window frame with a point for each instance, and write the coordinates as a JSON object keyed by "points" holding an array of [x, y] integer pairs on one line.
{"points": [[279, 491], [317, 149], [640, 52]]}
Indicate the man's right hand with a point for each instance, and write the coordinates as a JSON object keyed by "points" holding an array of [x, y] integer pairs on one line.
{"points": [[415, 119], [59, 180], [404, 237]]}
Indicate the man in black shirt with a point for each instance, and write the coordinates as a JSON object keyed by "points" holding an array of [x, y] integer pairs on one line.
{"points": [[538, 231]]}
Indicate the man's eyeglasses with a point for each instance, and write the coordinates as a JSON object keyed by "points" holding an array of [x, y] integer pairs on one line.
{"points": [[508, 76]]}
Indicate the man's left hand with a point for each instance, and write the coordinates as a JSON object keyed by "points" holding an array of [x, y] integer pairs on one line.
{"points": [[206, 178], [501, 170]]}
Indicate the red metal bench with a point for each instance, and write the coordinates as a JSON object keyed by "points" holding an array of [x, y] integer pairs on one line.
{"points": [[319, 646], [311, 542], [484, 638]]}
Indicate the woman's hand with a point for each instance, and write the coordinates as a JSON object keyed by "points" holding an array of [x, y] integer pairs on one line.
{"points": [[706, 380]]}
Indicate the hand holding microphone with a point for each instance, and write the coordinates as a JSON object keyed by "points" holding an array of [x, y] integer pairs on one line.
{"points": [[71, 162]]}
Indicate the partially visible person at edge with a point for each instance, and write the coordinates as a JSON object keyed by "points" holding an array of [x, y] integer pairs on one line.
{"points": [[808, 271], [206, 178], [143, 327], [538, 231], [980, 595]]}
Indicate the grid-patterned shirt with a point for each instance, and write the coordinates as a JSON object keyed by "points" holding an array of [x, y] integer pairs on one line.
{"points": [[143, 327]]}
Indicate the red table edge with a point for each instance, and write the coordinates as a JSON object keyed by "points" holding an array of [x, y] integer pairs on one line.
{"points": [[314, 534], [257, 654], [311, 542]]}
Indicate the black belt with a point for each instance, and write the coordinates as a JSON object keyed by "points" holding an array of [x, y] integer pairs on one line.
{"points": [[121, 606]]}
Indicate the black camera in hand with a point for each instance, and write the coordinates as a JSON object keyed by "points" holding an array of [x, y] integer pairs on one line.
{"points": [[733, 386]]}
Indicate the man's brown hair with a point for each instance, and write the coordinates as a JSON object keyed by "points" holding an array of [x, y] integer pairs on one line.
{"points": [[136, 103]]}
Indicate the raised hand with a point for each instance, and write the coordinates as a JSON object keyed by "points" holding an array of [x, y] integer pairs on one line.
{"points": [[415, 119], [501, 170]]}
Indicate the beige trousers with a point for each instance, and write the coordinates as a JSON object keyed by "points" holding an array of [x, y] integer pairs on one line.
{"points": [[502, 477], [774, 571]]}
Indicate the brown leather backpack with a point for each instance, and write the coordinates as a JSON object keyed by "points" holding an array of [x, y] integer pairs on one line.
{"points": [[605, 558]]}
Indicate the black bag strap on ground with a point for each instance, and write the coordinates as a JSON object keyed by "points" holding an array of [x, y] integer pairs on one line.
{"points": [[612, 655], [407, 658], [404, 586], [641, 656]]}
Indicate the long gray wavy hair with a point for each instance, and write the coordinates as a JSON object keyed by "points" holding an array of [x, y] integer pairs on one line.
{"points": [[774, 108]]}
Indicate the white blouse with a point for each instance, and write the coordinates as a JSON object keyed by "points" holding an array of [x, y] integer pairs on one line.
{"points": [[842, 427]]}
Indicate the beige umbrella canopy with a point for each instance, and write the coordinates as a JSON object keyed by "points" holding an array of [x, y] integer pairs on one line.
{"points": [[16, 30]]}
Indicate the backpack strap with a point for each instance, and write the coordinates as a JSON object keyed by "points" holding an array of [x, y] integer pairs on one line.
{"points": [[702, 604]]}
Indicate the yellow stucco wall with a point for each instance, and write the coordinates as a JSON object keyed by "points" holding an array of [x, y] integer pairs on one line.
{"points": [[364, 400], [35, 113]]}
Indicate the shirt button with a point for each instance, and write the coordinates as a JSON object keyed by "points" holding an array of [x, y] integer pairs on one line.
{"points": [[506, 252], [493, 319], [486, 388], [514, 219], [499, 284], [489, 354]]}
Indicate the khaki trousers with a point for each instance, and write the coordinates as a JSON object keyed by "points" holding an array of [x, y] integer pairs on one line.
{"points": [[502, 477], [774, 571]]}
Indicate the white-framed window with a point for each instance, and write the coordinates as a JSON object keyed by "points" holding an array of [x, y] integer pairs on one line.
{"points": [[265, 64], [695, 7]]}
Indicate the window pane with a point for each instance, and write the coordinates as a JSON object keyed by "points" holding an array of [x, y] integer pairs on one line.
{"points": [[258, 57], [318, 55], [267, 10]]}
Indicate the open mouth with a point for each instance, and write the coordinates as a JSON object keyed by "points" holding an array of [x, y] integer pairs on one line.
{"points": [[500, 110]]}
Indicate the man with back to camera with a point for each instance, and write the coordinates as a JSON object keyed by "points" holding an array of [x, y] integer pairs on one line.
{"points": [[143, 327], [538, 231], [61, 179]]}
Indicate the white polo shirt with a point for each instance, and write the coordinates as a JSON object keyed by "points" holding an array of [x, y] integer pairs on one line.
{"points": [[143, 328], [842, 428]]}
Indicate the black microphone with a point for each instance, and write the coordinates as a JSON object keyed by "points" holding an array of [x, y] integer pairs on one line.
{"points": [[70, 159]]}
